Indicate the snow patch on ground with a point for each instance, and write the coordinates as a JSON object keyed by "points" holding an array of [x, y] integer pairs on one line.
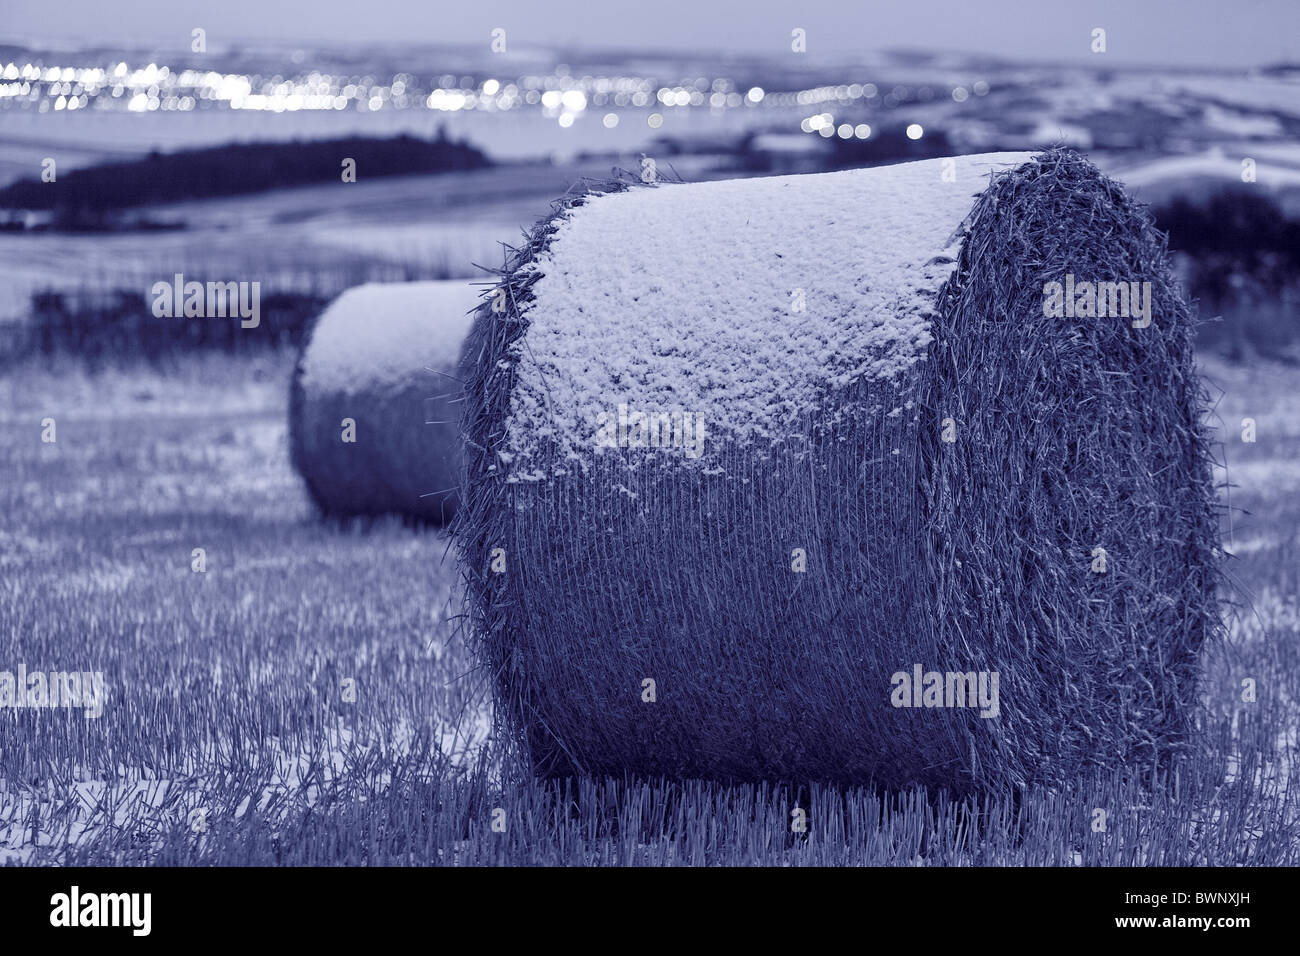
{"points": [[1213, 164], [1260, 477], [54, 817]]}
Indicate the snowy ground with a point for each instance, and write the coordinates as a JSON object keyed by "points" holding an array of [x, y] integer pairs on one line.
{"points": [[229, 734], [237, 673]]}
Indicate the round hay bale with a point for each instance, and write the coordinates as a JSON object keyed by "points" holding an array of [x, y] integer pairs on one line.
{"points": [[917, 476], [374, 401]]}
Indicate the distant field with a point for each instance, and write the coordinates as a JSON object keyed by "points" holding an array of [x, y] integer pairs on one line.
{"points": [[446, 222], [227, 736], [440, 224]]}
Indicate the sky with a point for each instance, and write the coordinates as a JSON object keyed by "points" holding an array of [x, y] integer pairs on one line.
{"points": [[1156, 32]]}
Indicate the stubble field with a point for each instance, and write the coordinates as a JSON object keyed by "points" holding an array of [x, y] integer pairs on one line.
{"points": [[308, 697]]}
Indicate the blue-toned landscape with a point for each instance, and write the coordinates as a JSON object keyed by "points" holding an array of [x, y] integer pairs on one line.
{"points": [[282, 686]]}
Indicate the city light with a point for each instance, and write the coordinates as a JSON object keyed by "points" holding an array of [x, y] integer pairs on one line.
{"points": [[560, 94]]}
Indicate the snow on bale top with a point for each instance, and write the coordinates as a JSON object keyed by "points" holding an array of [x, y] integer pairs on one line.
{"points": [[382, 332], [777, 288]]}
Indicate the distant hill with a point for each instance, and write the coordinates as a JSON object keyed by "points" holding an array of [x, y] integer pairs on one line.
{"points": [[96, 192]]}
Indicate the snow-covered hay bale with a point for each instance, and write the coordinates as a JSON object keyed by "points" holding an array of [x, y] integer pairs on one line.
{"points": [[374, 403], [764, 475]]}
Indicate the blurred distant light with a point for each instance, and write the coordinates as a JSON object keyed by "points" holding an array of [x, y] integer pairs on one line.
{"points": [[805, 125], [682, 98], [914, 131], [60, 103], [845, 131], [862, 131], [446, 100], [610, 120], [959, 94], [655, 120], [551, 99], [755, 94], [490, 87], [980, 88], [574, 101], [566, 120], [119, 70], [869, 90], [827, 131], [139, 103]]}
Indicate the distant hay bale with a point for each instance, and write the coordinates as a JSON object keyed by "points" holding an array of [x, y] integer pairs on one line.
{"points": [[913, 463], [379, 367]]}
